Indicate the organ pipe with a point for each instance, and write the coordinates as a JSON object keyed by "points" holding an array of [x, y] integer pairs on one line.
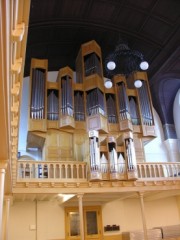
{"points": [[94, 151], [66, 96], [52, 105], [124, 111], [113, 157], [37, 107], [134, 111], [79, 113], [95, 102], [131, 156], [121, 164], [146, 112], [111, 108], [92, 64]]}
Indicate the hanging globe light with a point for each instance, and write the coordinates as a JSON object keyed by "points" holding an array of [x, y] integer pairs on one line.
{"points": [[138, 83], [111, 65], [144, 65]]}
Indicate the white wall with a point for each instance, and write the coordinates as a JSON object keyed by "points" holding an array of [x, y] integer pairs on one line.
{"points": [[47, 217], [155, 150], [125, 213]]}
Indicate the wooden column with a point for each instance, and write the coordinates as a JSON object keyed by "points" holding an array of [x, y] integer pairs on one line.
{"points": [[7, 200], [2, 179], [143, 215], [80, 197]]}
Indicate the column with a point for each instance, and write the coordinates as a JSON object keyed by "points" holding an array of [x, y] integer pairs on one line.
{"points": [[143, 215], [6, 217], [2, 179], [80, 196]]}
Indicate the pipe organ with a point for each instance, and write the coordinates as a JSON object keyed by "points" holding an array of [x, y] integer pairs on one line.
{"points": [[81, 120]]}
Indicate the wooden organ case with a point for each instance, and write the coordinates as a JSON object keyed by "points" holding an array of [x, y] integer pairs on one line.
{"points": [[77, 119]]}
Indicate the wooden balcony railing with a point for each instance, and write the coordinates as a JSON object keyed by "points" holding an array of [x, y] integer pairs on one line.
{"points": [[158, 170], [78, 171], [63, 171]]}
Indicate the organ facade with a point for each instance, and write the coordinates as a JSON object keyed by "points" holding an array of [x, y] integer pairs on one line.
{"points": [[77, 119]]}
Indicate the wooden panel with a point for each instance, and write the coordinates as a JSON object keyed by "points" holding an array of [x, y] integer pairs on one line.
{"points": [[97, 122], [78, 87], [139, 148], [125, 125], [67, 122], [39, 63], [140, 75], [52, 124], [90, 47], [53, 85], [137, 129], [38, 125], [131, 92], [119, 78], [59, 146], [120, 148], [113, 127], [148, 130], [81, 125], [65, 71], [93, 81]]}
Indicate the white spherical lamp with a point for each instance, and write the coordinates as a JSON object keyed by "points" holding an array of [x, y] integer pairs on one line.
{"points": [[144, 65], [111, 65], [108, 83], [138, 83]]}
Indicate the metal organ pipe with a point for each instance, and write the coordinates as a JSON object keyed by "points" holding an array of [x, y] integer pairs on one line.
{"points": [[145, 106], [131, 156], [79, 106], [66, 96], [37, 94], [134, 111], [95, 102], [94, 151], [52, 105], [113, 157], [121, 164], [124, 110], [111, 108]]}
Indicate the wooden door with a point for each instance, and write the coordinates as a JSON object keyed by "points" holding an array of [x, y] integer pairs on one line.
{"points": [[92, 223]]}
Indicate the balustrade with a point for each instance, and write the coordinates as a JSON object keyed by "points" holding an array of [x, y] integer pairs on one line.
{"points": [[76, 170], [158, 170], [52, 170]]}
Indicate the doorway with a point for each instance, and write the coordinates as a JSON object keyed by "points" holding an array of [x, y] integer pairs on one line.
{"points": [[92, 223]]}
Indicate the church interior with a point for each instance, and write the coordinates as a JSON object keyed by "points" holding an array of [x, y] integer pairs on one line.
{"points": [[90, 111]]}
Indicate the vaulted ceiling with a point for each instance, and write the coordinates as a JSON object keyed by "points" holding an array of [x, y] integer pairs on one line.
{"points": [[58, 28]]}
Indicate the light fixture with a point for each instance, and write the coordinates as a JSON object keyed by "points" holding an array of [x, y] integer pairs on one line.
{"points": [[111, 65], [144, 65], [108, 83], [124, 61], [138, 83]]}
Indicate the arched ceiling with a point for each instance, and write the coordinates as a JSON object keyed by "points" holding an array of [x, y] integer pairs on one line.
{"points": [[57, 28]]}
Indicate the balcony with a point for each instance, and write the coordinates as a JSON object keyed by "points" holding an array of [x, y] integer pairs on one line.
{"points": [[76, 171]]}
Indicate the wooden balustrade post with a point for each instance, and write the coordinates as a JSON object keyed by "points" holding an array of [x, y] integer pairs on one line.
{"points": [[140, 171], [80, 197], [6, 217], [143, 215], [72, 175], [145, 172], [78, 172], [3, 167]]}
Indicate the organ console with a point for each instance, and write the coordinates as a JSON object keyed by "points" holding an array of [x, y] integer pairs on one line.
{"points": [[81, 120]]}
